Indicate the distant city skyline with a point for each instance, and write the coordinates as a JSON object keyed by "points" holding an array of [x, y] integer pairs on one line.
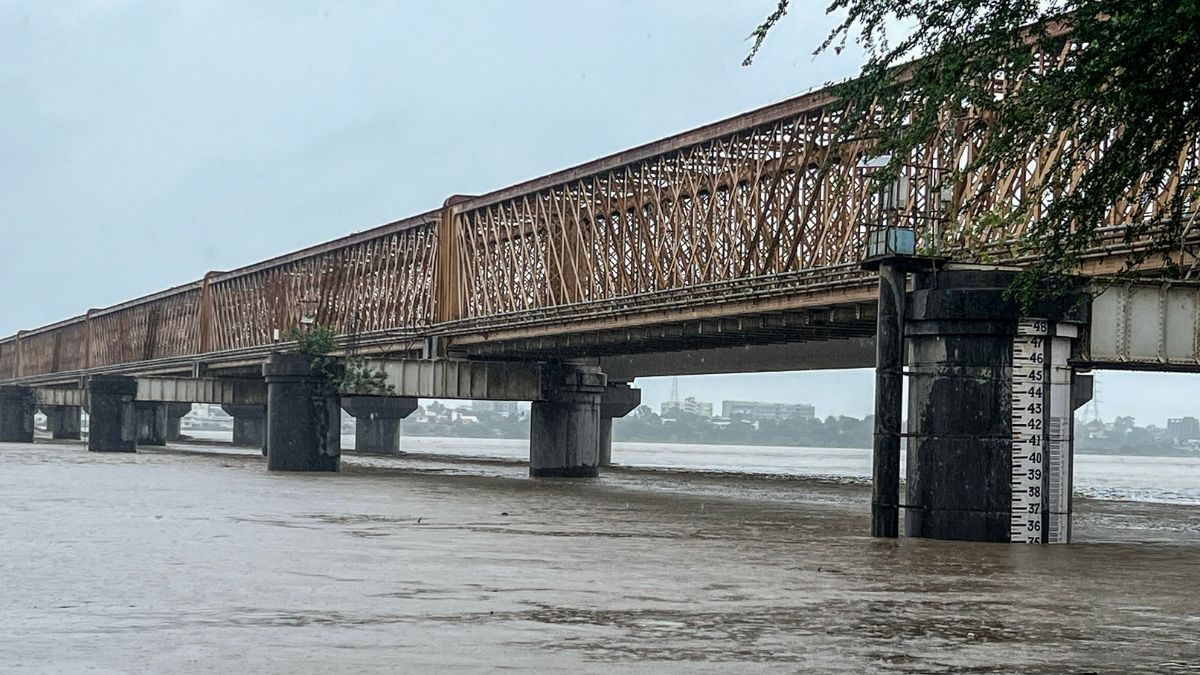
{"points": [[1150, 398]]}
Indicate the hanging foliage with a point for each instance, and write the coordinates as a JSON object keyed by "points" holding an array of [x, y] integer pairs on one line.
{"points": [[1098, 98]]}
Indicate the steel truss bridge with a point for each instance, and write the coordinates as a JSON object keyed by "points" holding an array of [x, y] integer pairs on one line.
{"points": [[748, 231]]}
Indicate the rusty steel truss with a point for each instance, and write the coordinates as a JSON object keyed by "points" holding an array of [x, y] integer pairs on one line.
{"points": [[760, 212]]}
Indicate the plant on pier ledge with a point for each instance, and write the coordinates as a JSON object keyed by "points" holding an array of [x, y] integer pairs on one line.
{"points": [[355, 377]]}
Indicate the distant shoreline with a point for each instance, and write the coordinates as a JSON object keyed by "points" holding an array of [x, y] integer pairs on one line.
{"points": [[1103, 452], [425, 433]]}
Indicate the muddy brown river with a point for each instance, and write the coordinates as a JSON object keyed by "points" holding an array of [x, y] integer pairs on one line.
{"points": [[195, 559]]}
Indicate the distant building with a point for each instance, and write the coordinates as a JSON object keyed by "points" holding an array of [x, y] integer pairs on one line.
{"points": [[208, 411], [758, 410], [206, 417], [1183, 428], [1095, 429], [498, 407], [687, 405]]}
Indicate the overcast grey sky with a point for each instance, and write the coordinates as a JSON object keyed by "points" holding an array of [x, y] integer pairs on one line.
{"points": [[145, 143]]}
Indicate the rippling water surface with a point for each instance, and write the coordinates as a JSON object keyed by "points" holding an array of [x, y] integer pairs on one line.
{"points": [[194, 559], [1152, 479]]}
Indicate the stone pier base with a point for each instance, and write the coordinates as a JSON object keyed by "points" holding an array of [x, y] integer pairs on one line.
{"points": [[564, 432], [17, 407], [303, 417], [112, 425], [64, 421], [960, 332], [249, 424], [175, 415], [377, 422], [152, 421]]}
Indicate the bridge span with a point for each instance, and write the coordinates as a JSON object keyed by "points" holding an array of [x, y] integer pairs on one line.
{"points": [[735, 247]]}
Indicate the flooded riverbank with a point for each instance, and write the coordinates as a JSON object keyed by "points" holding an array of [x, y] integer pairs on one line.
{"points": [[193, 559]]}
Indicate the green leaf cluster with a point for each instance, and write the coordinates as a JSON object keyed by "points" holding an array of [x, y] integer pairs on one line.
{"points": [[1112, 86], [315, 340], [354, 377]]}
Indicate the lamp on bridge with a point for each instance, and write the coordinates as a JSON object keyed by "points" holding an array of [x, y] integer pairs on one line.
{"points": [[886, 238], [891, 251], [888, 241]]}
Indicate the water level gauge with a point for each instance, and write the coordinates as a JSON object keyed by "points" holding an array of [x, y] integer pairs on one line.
{"points": [[1041, 432]]}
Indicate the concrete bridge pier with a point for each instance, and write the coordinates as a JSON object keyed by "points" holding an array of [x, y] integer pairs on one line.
{"points": [[989, 410], [64, 421], [618, 400], [564, 431], [377, 422], [17, 406], [303, 416], [112, 425], [152, 421], [175, 415], [249, 424]]}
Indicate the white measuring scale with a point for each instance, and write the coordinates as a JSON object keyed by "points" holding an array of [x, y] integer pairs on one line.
{"points": [[1041, 432]]}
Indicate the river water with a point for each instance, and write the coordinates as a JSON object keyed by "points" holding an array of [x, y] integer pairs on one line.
{"points": [[1149, 479], [195, 559], [1170, 480]]}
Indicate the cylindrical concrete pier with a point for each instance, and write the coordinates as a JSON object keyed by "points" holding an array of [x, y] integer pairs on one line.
{"points": [[303, 416], [377, 422], [17, 406], [112, 425], [64, 421], [152, 422], [564, 431], [175, 415], [249, 424]]}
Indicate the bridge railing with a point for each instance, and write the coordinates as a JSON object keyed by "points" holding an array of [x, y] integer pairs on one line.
{"points": [[381, 280], [59, 346], [377, 281], [157, 326], [162, 325], [743, 199]]}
